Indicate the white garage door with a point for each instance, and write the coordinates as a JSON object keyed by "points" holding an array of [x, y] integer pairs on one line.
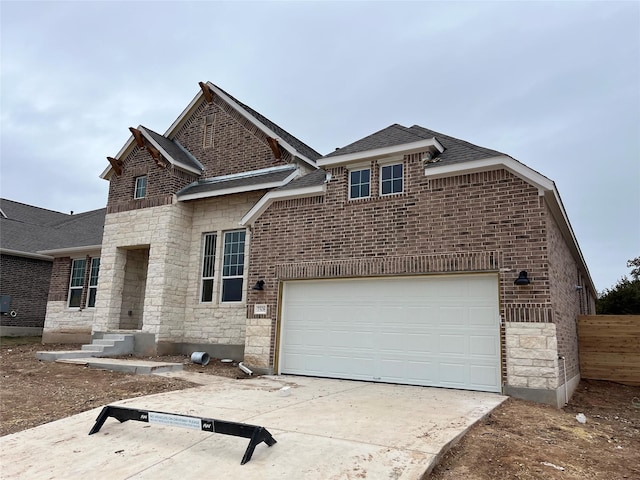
{"points": [[437, 331]]}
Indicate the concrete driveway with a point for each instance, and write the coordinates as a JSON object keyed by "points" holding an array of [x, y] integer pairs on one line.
{"points": [[325, 429]]}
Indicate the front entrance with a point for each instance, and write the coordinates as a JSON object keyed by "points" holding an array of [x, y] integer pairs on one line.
{"points": [[133, 289]]}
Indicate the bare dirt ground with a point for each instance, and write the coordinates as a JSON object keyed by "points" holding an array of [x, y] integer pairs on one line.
{"points": [[519, 440]]}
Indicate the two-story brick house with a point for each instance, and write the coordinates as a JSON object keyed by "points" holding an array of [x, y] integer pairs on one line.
{"points": [[396, 259]]}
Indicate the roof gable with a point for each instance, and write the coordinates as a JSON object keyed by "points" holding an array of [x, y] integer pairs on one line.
{"points": [[293, 146]]}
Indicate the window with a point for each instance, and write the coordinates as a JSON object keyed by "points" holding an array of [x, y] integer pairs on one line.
{"points": [[391, 179], [93, 282], [77, 282], [233, 266], [141, 187], [359, 183], [208, 266], [207, 141]]}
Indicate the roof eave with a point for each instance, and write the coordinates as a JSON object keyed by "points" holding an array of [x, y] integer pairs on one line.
{"points": [[164, 153], [68, 251], [279, 195], [404, 149], [19, 253], [242, 189]]}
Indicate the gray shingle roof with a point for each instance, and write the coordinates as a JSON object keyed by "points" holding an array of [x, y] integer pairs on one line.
{"points": [[248, 181], [300, 146], [31, 229], [456, 150], [174, 150], [317, 177]]}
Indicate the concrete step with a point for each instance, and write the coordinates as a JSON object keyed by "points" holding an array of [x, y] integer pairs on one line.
{"points": [[129, 366], [92, 347], [106, 343], [57, 355]]}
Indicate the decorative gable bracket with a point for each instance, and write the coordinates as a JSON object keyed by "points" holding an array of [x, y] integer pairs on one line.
{"points": [[117, 165]]}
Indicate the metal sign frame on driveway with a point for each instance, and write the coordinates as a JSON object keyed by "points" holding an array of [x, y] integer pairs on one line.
{"points": [[254, 433]]}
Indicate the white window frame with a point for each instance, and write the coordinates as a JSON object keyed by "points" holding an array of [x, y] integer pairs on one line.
{"points": [[224, 256], [210, 274], [136, 192], [76, 287], [391, 164], [93, 285]]}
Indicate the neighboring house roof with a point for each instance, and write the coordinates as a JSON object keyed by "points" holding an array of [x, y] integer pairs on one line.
{"points": [[26, 230], [237, 183], [296, 147]]}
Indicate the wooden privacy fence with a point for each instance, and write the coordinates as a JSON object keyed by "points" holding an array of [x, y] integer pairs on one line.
{"points": [[610, 347]]}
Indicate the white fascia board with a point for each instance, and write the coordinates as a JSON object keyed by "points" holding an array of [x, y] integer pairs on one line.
{"points": [[185, 113], [106, 173], [251, 173], [279, 195], [246, 188], [261, 126], [166, 155], [403, 149], [67, 252], [18, 253], [486, 164]]}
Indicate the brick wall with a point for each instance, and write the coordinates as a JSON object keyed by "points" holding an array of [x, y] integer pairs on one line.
{"points": [[492, 214], [162, 183], [26, 280], [237, 145], [566, 300]]}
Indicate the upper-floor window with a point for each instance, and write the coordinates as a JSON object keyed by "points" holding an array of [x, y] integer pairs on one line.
{"points": [[360, 183], [233, 266], [93, 282], [141, 187], [208, 267], [77, 282], [391, 179]]}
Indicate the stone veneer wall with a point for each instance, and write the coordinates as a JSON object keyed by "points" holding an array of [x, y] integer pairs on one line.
{"points": [[216, 322], [166, 232], [532, 355], [64, 325]]}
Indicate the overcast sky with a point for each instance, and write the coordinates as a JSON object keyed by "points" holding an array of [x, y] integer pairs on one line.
{"points": [[555, 85]]}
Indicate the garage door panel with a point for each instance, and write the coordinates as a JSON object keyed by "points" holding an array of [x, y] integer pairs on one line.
{"points": [[437, 331]]}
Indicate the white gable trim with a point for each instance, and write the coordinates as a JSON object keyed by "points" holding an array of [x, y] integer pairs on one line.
{"points": [[279, 195], [503, 161], [404, 149], [241, 189], [261, 125]]}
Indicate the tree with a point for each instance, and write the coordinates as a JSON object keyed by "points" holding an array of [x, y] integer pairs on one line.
{"points": [[624, 297]]}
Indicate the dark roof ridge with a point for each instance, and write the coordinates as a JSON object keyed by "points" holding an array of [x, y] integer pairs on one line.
{"points": [[2, 199]]}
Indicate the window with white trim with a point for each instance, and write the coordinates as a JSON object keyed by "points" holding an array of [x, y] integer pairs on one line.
{"points": [[141, 187], [208, 267], [360, 183], [76, 283], [93, 282], [391, 179], [233, 266]]}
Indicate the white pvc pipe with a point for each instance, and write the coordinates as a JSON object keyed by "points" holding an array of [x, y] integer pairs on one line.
{"points": [[564, 368], [245, 369]]}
